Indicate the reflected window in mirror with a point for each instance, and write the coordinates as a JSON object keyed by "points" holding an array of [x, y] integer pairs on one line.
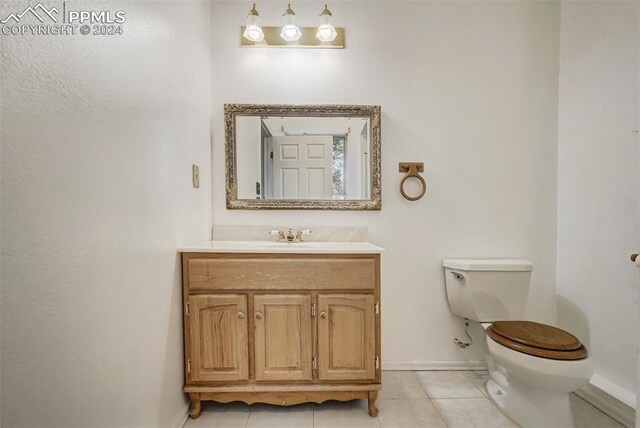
{"points": [[338, 170]]}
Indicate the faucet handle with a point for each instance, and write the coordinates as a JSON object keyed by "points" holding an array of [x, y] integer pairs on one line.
{"points": [[301, 233], [280, 233]]}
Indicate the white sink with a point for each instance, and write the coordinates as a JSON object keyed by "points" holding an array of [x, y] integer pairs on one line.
{"points": [[359, 247], [277, 244]]}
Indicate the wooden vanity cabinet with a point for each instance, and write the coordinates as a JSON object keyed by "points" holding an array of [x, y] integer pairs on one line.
{"points": [[282, 337], [282, 329], [219, 337], [346, 337]]}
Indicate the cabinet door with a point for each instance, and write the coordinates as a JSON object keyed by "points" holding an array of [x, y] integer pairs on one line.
{"points": [[219, 344], [346, 337], [283, 336]]}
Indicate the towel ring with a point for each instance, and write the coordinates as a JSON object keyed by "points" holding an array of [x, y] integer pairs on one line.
{"points": [[412, 169]]}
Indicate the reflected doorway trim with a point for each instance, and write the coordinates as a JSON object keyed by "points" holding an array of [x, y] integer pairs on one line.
{"points": [[371, 112]]}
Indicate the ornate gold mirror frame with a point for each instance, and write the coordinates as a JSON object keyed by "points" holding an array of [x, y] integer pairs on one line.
{"points": [[233, 110]]}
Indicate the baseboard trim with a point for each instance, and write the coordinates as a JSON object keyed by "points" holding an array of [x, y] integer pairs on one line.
{"points": [[184, 416], [434, 365], [608, 404]]}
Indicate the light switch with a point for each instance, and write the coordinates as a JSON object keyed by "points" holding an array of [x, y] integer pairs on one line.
{"points": [[196, 175]]}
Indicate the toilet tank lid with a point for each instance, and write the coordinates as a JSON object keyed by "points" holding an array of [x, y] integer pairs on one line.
{"points": [[488, 264]]}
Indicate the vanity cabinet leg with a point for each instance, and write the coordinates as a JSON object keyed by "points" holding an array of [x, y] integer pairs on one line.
{"points": [[196, 407], [373, 410]]}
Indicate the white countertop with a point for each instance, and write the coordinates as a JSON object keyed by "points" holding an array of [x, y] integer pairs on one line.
{"points": [[282, 247]]}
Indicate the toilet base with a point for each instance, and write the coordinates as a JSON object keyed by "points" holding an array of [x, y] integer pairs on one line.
{"points": [[530, 407]]}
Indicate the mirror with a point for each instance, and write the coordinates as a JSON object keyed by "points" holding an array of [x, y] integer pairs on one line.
{"points": [[303, 157]]}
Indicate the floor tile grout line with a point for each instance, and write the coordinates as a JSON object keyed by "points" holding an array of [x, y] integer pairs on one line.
{"points": [[430, 399], [448, 398], [420, 383], [463, 398], [472, 383], [452, 398], [440, 414]]}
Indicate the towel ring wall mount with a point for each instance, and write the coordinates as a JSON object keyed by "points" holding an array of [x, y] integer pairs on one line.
{"points": [[412, 169]]}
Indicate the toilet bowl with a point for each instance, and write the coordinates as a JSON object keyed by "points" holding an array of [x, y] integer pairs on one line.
{"points": [[533, 367], [534, 390]]}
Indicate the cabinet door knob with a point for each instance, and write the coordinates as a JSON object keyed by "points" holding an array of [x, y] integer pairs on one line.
{"points": [[240, 315], [258, 315], [323, 315]]}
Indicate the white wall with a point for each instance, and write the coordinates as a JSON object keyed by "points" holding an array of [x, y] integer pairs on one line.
{"points": [[470, 88], [598, 183], [98, 138]]}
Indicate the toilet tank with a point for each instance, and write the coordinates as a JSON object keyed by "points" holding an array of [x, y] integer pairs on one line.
{"points": [[487, 290]]}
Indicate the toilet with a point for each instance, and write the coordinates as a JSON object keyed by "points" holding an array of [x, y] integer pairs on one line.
{"points": [[533, 367]]}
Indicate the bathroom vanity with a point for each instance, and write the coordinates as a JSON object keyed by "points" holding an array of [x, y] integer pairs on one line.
{"points": [[281, 323]]}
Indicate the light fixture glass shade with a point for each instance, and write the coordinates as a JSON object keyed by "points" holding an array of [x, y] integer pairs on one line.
{"points": [[290, 31], [253, 29], [326, 31]]}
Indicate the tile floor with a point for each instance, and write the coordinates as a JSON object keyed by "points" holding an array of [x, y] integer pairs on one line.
{"points": [[409, 399]]}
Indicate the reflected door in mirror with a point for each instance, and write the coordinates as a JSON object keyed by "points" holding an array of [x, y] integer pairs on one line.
{"points": [[301, 167]]}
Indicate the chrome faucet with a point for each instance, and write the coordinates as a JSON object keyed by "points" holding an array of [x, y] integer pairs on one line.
{"points": [[289, 236]]}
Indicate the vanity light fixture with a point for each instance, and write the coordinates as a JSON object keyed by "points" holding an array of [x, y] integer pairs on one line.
{"points": [[326, 31], [290, 35], [290, 31], [253, 29]]}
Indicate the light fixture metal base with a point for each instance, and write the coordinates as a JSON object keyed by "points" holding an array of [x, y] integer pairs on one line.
{"points": [[308, 40]]}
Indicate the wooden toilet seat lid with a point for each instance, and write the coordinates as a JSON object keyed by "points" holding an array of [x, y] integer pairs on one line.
{"points": [[537, 339]]}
